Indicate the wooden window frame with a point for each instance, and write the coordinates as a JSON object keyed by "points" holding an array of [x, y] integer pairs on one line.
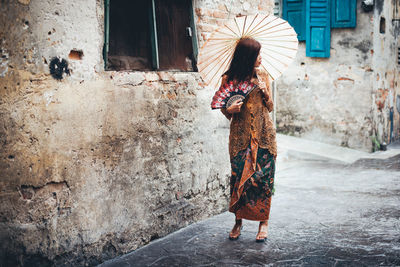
{"points": [[153, 33]]}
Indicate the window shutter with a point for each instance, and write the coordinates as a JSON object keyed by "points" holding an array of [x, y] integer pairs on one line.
{"points": [[153, 32], [194, 33], [343, 13], [318, 30], [106, 31], [294, 12]]}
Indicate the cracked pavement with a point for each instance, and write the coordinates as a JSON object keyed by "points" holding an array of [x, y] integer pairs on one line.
{"points": [[323, 213]]}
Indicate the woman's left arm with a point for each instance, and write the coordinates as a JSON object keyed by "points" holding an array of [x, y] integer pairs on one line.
{"points": [[265, 86], [223, 110]]}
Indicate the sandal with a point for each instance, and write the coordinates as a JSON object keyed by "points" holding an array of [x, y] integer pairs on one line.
{"points": [[262, 233], [235, 237]]}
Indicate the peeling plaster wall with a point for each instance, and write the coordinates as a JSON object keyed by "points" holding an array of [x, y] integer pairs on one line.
{"points": [[386, 92], [330, 99], [97, 169], [100, 163]]}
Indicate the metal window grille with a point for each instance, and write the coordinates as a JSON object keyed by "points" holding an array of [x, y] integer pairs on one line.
{"points": [[396, 10], [278, 8], [398, 55]]}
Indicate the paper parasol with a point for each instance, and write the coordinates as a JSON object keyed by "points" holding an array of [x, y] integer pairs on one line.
{"points": [[278, 46]]}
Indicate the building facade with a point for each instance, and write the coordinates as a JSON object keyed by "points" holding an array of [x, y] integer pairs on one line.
{"points": [[108, 140], [348, 98], [96, 163]]}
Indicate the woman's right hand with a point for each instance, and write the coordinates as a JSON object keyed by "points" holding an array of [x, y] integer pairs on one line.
{"points": [[235, 107]]}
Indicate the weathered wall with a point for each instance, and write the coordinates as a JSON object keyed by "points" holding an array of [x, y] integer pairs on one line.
{"points": [[332, 100], [386, 92], [100, 163], [213, 13], [100, 168]]}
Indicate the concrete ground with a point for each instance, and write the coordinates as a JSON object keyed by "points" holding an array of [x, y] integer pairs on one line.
{"points": [[328, 210]]}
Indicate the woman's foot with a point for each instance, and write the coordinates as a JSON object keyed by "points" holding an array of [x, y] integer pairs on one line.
{"points": [[235, 233], [262, 232]]}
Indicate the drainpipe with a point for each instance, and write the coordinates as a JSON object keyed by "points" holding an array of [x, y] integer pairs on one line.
{"points": [[391, 123]]}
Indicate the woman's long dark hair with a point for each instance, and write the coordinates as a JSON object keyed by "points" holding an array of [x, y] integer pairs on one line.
{"points": [[243, 60]]}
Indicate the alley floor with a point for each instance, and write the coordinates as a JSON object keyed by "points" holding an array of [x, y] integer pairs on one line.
{"points": [[324, 213]]}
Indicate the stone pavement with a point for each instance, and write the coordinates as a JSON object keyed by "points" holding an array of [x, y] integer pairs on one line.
{"points": [[324, 213]]}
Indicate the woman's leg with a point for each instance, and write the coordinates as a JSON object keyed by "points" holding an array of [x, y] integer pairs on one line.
{"points": [[235, 233], [262, 231]]}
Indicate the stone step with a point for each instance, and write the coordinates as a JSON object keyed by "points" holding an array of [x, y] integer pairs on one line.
{"points": [[290, 146]]}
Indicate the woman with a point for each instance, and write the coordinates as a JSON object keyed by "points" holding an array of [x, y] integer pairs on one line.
{"points": [[252, 142]]}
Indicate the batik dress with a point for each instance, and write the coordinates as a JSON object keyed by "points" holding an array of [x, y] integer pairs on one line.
{"points": [[252, 149]]}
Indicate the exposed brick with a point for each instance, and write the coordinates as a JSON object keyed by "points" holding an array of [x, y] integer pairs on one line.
{"points": [[220, 14], [203, 12], [199, 12], [166, 76], [265, 5], [345, 79], [208, 12], [262, 7], [205, 28], [220, 22], [209, 20], [205, 36], [222, 7]]}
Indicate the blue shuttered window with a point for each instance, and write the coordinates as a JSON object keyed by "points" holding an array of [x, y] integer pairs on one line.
{"points": [[318, 28], [294, 12], [343, 13], [313, 19]]}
